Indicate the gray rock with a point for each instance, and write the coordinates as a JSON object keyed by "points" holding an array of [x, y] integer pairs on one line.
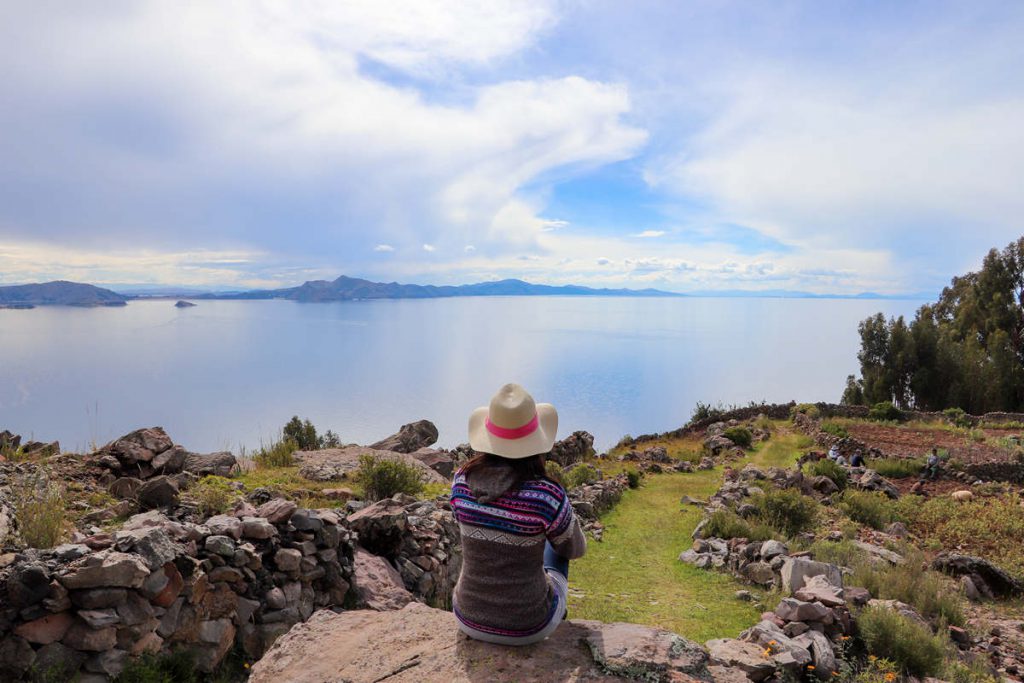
{"points": [[158, 492], [106, 568], [125, 488], [29, 583], [170, 461], [152, 544], [791, 609], [744, 656], [99, 618], [16, 657], [225, 525], [821, 650], [220, 545], [796, 570], [98, 598], [818, 588], [760, 573], [277, 511], [57, 662], [257, 528], [879, 552], [221, 464], [288, 559], [772, 548], [410, 437]]}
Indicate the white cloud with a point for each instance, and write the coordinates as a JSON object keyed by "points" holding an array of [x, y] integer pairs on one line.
{"points": [[602, 261], [207, 122], [469, 249], [649, 233], [384, 248], [429, 248]]}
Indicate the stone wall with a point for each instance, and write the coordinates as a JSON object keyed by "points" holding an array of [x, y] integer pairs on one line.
{"points": [[158, 585], [996, 471]]}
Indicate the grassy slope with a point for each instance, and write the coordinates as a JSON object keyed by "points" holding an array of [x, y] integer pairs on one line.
{"points": [[635, 576]]}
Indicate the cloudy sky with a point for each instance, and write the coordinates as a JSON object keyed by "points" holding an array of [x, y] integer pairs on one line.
{"points": [[827, 147]]}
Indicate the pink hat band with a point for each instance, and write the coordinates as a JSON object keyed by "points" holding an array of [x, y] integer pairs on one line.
{"points": [[517, 433]]}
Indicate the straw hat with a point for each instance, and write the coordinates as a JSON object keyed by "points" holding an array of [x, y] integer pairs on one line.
{"points": [[513, 426]]}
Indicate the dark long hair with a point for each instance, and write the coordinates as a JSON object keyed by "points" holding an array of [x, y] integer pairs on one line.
{"points": [[526, 469]]}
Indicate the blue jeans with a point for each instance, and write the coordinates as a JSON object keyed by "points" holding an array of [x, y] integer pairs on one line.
{"points": [[553, 560]]}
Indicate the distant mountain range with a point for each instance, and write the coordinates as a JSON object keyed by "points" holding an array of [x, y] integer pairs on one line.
{"points": [[58, 293], [353, 289], [349, 289]]}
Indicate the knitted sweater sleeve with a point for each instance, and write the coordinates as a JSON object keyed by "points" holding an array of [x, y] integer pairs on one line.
{"points": [[565, 533]]}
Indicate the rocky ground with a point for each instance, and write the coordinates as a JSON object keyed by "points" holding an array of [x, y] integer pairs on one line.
{"points": [[345, 589]]}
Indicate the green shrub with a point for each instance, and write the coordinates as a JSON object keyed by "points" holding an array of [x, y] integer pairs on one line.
{"points": [[40, 510], [786, 510], [213, 495], [897, 468], [384, 477], [973, 671], [303, 433], [909, 645], [740, 436], [764, 423], [885, 412], [930, 593], [957, 417], [176, 667], [705, 411], [581, 474], [804, 441], [634, 478], [868, 507], [330, 440], [554, 471], [808, 409], [727, 524], [835, 429], [277, 454], [843, 553], [828, 468]]}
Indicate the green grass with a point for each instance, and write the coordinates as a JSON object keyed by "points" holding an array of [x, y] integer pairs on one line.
{"points": [[634, 574]]}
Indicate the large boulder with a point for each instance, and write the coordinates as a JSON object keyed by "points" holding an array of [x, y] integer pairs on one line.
{"points": [[106, 568], [158, 492], [796, 571], [573, 449], [419, 643], [410, 437], [222, 464], [378, 585], [140, 446], [998, 581], [439, 461]]}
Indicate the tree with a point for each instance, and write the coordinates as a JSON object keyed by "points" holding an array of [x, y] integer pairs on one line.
{"points": [[966, 350], [302, 433]]}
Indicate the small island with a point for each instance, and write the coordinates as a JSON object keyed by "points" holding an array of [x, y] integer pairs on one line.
{"points": [[58, 293], [184, 304]]}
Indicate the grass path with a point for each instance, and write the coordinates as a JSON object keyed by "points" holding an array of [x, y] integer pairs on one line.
{"points": [[634, 574]]}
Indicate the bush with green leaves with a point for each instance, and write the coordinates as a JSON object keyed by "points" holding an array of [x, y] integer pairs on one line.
{"points": [[303, 433], [909, 645], [554, 471], [581, 474], [828, 468], [957, 417], [786, 510], [705, 411], [278, 454], [727, 524], [383, 477], [633, 477], [835, 429], [869, 507], [213, 495], [40, 506], [741, 436], [808, 409], [932, 594], [885, 412]]}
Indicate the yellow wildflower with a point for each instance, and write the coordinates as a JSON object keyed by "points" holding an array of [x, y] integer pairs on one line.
{"points": [[890, 677]]}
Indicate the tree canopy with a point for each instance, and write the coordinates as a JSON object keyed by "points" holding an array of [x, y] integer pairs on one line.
{"points": [[966, 350]]}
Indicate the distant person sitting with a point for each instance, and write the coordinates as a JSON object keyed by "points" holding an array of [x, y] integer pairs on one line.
{"points": [[841, 460], [518, 527], [833, 453], [931, 466], [857, 460]]}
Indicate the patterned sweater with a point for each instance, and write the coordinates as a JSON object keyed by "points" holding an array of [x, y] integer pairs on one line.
{"points": [[503, 588]]}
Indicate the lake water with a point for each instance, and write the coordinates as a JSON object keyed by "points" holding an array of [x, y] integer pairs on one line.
{"points": [[226, 374]]}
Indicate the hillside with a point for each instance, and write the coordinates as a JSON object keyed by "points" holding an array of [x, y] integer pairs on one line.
{"points": [[59, 293], [347, 288]]}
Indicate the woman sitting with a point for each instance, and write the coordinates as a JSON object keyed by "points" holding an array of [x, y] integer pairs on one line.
{"points": [[518, 528]]}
